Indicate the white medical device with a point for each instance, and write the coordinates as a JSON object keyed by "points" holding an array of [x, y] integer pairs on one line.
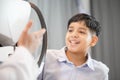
{"points": [[14, 15]]}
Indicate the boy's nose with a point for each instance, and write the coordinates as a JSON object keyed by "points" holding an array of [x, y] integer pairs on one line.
{"points": [[75, 35]]}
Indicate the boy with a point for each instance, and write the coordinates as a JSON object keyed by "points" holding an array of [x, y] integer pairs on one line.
{"points": [[73, 62]]}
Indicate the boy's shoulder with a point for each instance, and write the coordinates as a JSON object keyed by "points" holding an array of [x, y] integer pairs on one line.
{"points": [[54, 52], [98, 65]]}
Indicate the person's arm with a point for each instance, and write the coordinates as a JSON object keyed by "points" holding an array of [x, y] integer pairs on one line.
{"points": [[106, 77], [106, 74], [21, 65]]}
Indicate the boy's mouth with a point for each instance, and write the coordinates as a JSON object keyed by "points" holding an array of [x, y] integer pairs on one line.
{"points": [[74, 42]]}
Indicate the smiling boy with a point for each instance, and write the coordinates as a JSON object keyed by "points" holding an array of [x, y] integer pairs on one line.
{"points": [[73, 62]]}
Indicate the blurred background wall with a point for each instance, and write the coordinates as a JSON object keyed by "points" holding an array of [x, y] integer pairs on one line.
{"points": [[57, 13], [108, 48]]}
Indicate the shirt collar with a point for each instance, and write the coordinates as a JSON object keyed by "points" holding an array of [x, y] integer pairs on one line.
{"points": [[89, 62], [63, 58]]}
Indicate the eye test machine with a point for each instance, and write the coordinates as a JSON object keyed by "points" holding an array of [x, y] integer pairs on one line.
{"points": [[14, 15]]}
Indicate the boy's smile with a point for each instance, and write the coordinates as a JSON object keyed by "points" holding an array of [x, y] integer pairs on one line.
{"points": [[74, 42]]}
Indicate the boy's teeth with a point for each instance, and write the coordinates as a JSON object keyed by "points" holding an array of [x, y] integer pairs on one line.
{"points": [[73, 42]]}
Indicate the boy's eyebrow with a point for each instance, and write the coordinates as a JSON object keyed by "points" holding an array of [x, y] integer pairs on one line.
{"points": [[82, 28], [70, 27]]}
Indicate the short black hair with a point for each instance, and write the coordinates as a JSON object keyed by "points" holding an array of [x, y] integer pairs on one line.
{"points": [[90, 22]]}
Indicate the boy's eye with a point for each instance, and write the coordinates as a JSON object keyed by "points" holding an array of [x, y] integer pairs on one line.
{"points": [[83, 32], [70, 30]]}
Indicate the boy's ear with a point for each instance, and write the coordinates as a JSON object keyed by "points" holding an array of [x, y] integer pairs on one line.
{"points": [[94, 40]]}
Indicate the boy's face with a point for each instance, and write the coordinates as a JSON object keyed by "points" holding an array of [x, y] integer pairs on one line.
{"points": [[79, 38]]}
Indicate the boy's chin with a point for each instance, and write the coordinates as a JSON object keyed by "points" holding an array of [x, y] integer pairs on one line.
{"points": [[73, 50]]}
